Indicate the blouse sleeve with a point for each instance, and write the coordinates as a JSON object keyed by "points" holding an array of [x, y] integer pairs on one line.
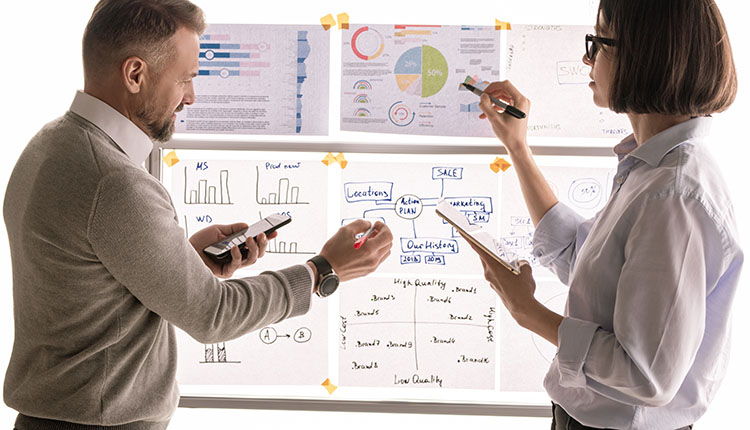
{"points": [[660, 308], [557, 238]]}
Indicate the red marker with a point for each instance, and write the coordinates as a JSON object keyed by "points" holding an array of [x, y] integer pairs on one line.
{"points": [[362, 239]]}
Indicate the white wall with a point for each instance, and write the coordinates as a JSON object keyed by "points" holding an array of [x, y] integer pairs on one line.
{"points": [[41, 69]]}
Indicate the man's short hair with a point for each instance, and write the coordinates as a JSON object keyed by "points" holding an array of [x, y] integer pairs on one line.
{"points": [[670, 57], [119, 29]]}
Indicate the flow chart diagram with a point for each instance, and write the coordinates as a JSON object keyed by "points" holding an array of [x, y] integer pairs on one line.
{"points": [[406, 201]]}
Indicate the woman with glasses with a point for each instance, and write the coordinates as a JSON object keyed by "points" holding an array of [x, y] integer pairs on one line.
{"points": [[644, 340]]}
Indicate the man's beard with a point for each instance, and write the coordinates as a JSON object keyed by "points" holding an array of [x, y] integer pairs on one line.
{"points": [[159, 130]]}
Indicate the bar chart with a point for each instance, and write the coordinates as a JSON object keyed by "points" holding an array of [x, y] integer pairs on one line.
{"points": [[282, 192], [283, 247], [205, 194], [216, 353], [276, 246]]}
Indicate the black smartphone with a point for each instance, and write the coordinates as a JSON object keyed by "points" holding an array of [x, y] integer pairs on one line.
{"points": [[220, 251]]}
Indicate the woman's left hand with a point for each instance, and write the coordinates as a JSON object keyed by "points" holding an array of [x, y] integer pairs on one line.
{"points": [[516, 291], [517, 294]]}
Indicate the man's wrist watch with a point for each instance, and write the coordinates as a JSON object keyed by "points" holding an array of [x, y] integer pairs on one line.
{"points": [[327, 281]]}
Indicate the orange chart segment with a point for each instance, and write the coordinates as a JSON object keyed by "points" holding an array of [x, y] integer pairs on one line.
{"points": [[411, 84]]}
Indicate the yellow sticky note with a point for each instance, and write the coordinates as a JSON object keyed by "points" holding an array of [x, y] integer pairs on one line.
{"points": [[499, 164], [170, 159], [327, 21], [501, 25], [328, 159], [329, 386], [343, 19], [341, 160]]}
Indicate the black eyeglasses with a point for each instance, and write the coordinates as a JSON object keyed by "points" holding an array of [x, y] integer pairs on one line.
{"points": [[592, 45]]}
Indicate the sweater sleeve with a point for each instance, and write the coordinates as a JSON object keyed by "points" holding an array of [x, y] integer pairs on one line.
{"points": [[134, 232]]}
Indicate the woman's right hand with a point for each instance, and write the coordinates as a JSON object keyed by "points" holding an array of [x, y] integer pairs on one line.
{"points": [[510, 130]]}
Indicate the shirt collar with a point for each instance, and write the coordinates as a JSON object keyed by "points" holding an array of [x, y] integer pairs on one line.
{"points": [[625, 147], [131, 139], [653, 150]]}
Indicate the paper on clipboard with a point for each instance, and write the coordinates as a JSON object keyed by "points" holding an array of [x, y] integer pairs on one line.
{"points": [[475, 234]]}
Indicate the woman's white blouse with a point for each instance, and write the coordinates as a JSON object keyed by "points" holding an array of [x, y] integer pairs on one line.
{"points": [[645, 339]]}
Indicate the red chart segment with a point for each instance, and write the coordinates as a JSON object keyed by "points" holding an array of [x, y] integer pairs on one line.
{"points": [[367, 43], [400, 114]]}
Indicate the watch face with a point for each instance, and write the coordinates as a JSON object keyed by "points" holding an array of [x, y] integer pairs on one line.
{"points": [[328, 285]]}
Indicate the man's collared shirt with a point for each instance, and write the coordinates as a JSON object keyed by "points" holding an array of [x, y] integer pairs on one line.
{"points": [[131, 139]]}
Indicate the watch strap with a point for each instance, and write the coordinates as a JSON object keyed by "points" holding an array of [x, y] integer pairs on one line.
{"points": [[321, 265], [327, 281]]}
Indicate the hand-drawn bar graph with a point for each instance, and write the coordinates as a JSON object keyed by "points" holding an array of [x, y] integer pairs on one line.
{"points": [[207, 195], [281, 247], [286, 193], [276, 246], [216, 353]]}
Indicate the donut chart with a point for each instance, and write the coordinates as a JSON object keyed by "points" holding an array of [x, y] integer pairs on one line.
{"points": [[421, 71], [367, 43], [400, 114]]}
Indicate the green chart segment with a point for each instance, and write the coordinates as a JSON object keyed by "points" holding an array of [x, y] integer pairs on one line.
{"points": [[421, 71]]}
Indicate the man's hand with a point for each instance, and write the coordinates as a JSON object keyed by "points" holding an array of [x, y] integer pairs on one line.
{"points": [[256, 248], [350, 263]]}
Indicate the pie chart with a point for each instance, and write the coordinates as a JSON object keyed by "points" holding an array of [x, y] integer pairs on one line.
{"points": [[421, 71]]}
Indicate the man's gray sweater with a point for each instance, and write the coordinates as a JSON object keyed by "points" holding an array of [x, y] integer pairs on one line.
{"points": [[101, 272]]}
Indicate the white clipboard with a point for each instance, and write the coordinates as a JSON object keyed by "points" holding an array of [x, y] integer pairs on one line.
{"points": [[478, 237]]}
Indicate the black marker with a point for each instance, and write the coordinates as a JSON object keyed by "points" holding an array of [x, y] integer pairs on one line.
{"points": [[515, 112]]}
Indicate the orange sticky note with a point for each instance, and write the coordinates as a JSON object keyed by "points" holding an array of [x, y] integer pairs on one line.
{"points": [[501, 25], [499, 164], [328, 159], [341, 160], [170, 159], [343, 19], [329, 386], [327, 21]]}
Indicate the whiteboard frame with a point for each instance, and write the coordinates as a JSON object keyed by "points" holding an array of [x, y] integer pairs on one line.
{"points": [[372, 406], [154, 159], [153, 165]]}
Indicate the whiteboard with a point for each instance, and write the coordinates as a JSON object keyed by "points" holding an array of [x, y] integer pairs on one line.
{"points": [[426, 326], [424, 333]]}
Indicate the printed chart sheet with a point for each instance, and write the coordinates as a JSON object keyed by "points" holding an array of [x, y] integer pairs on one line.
{"points": [[405, 78], [545, 63], [260, 79]]}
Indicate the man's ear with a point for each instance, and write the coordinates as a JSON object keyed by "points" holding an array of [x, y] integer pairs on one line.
{"points": [[134, 73]]}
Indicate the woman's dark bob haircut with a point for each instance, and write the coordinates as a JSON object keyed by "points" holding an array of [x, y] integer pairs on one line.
{"points": [[671, 57]]}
